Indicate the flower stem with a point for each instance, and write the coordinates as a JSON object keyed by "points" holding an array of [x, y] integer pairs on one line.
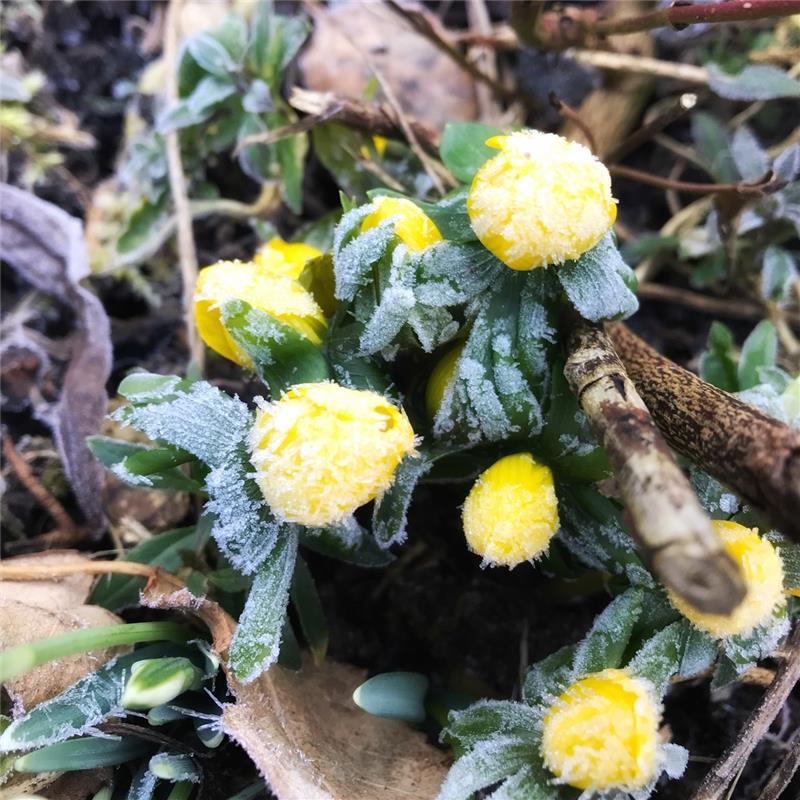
{"points": [[18, 660]]}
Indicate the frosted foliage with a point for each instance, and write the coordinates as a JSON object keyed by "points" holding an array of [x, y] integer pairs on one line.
{"points": [[244, 527], [353, 259], [699, 653], [256, 643], [126, 476], [492, 717], [604, 645], [490, 761], [388, 319], [75, 711], [594, 283], [549, 677], [536, 334], [766, 399], [676, 758], [744, 650], [527, 784], [142, 786], [432, 326], [451, 274], [391, 508], [660, 656], [713, 496], [203, 421]]}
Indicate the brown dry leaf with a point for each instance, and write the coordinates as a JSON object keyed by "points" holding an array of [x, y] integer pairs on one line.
{"points": [[31, 610], [56, 786], [428, 85], [303, 731]]}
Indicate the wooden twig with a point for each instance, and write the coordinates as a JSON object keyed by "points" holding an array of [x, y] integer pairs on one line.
{"points": [[187, 252], [742, 189], [671, 528], [639, 65], [369, 117], [757, 456], [714, 306], [68, 531], [568, 112], [786, 770], [735, 757], [45, 572]]}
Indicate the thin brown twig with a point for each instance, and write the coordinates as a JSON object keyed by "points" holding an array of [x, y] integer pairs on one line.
{"points": [[758, 189], [187, 252], [735, 757], [715, 306], [667, 520], [67, 528], [568, 112], [276, 134], [786, 770], [29, 572]]}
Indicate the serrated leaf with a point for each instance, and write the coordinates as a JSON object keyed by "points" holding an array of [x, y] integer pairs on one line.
{"points": [[596, 283], [489, 718], [760, 349], [754, 82], [391, 508], [604, 645], [714, 148], [257, 639], [211, 55], [463, 148], [778, 274], [488, 762], [162, 550], [310, 612], [548, 678], [282, 357]]}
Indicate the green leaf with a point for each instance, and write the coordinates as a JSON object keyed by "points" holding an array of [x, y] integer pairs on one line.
{"points": [[282, 357], [291, 154], [597, 283], [140, 224], [394, 695], [548, 678], [760, 349], [605, 644], [88, 752], [257, 639], [254, 159], [754, 82], [211, 55], [258, 98], [179, 116], [391, 508], [488, 718], [162, 550], [175, 767], [463, 150], [778, 274], [713, 145], [276, 40], [310, 613], [350, 544], [208, 94], [717, 363], [752, 161], [647, 245], [533, 782]]}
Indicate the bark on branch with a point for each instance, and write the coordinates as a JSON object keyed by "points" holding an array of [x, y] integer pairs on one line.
{"points": [[755, 455], [672, 529]]}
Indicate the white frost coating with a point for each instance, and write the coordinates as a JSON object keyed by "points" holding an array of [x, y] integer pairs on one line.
{"points": [[352, 261], [746, 650], [389, 317], [432, 326], [244, 527], [203, 421], [126, 476], [256, 643], [572, 445], [502, 717]]}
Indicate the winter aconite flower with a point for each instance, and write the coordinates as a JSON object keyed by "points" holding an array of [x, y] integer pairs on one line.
{"points": [[411, 224], [323, 450], [762, 570], [443, 373], [602, 733], [542, 200], [511, 512], [281, 297], [285, 258]]}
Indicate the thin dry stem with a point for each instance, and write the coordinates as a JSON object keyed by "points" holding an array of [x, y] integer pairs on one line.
{"points": [[12, 572], [673, 531]]}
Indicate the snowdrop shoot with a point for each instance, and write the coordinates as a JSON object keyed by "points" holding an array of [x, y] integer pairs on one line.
{"points": [[511, 513], [762, 570], [602, 733], [542, 200], [324, 450], [415, 229], [280, 296]]}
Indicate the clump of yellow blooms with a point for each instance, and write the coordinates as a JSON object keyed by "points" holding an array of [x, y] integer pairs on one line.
{"points": [[324, 450], [412, 225], [602, 733], [285, 258], [280, 296], [762, 570], [511, 512], [443, 373], [542, 200]]}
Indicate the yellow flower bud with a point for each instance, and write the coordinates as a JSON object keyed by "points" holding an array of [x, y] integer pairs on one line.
{"points": [[762, 570], [443, 373], [412, 225], [379, 143], [602, 733], [511, 512], [542, 200], [279, 296], [323, 450], [285, 258]]}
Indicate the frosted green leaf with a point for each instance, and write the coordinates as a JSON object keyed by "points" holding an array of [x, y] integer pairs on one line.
{"points": [[257, 639], [778, 273], [530, 783], [548, 678], [754, 82], [488, 718], [752, 161], [597, 283], [391, 508], [354, 252]]}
